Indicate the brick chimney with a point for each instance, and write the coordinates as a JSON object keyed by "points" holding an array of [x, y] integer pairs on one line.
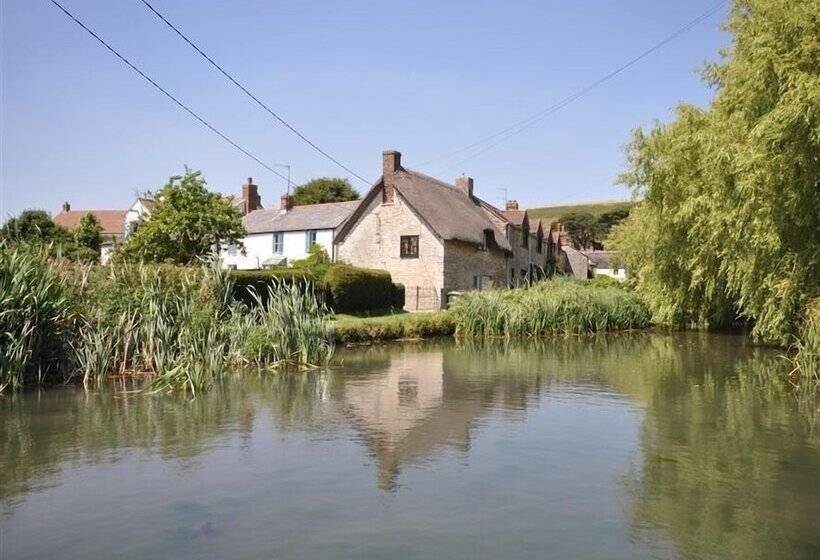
{"points": [[250, 194], [286, 202], [391, 163], [465, 185], [66, 207], [512, 205]]}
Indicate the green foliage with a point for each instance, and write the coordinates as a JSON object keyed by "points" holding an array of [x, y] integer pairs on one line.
{"points": [[187, 222], [32, 226], [356, 289], [395, 326], [553, 213], [729, 224], [89, 233], [250, 284], [549, 308], [37, 318], [316, 264], [586, 230], [324, 189]]}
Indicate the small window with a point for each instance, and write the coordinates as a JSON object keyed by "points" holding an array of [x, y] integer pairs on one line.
{"points": [[512, 274], [232, 249], [310, 239], [489, 238], [278, 243], [476, 282], [525, 239], [409, 246]]}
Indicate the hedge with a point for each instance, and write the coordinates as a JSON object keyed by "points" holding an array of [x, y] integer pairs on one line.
{"points": [[259, 280], [354, 289]]}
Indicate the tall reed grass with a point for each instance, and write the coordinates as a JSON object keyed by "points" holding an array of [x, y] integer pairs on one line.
{"points": [[179, 327], [548, 308]]}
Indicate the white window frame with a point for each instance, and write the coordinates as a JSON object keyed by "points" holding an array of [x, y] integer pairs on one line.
{"points": [[278, 241]]}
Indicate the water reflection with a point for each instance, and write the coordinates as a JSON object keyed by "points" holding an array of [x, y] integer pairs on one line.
{"points": [[693, 446]]}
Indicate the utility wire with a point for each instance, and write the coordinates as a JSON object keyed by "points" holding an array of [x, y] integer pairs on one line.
{"points": [[167, 94], [251, 95], [526, 123]]}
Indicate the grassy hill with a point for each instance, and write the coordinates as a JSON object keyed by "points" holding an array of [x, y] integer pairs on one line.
{"points": [[552, 213]]}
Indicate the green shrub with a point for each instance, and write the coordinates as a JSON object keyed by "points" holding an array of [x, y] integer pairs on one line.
{"points": [[247, 284], [354, 289]]}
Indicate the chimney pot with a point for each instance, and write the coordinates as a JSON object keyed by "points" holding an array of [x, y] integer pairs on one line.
{"points": [[286, 202], [465, 184], [66, 207], [512, 205]]}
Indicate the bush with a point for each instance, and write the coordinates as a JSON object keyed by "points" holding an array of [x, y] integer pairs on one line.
{"points": [[354, 290], [248, 282]]}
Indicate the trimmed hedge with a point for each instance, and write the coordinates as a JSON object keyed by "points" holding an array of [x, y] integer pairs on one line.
{"points": [[354, 289], [347, 289], [259, 280], [394, 327]]}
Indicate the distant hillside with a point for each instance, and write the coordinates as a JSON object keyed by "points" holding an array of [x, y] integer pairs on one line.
{"points": [[552, 213]]}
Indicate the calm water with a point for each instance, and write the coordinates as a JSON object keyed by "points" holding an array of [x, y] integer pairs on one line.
{"points": [[627, 447]]}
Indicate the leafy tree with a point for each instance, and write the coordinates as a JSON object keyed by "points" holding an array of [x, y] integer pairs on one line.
{"points": [[89, 232], [187, 222], [324, 189], [32, 226], [609, 219], [730, 217], [582, 228]]}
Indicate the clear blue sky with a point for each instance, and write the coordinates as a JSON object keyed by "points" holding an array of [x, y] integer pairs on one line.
{"points": [[357, 77]]}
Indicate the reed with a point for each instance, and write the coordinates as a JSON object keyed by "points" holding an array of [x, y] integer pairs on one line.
{"points": [[38, 318], [553, 307]]}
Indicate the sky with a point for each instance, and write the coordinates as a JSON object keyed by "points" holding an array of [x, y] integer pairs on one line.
{"points": [[355, 77]]}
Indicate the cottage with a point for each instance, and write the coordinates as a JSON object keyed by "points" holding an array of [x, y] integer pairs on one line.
{"points": [[111, 221], [278, 236], [436, 238]]}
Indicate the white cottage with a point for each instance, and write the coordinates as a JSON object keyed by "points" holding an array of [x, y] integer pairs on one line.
{"points": [[278, 236]]}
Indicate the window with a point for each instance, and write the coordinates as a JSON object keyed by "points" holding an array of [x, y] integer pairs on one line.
{"points": [[310, 239], [278, 243], [540, 244], [409, 246], [512, 274], [476, 282], [232, 249], [525, 239], [489, 238]]}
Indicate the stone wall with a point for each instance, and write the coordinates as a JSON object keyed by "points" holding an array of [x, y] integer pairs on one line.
{"points": [[374, 242], [467, 267]]}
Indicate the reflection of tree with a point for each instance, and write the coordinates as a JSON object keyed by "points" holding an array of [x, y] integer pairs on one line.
{"points": [[728, 468]]}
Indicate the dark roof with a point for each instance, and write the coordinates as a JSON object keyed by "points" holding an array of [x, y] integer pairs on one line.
{"points": [[450, 213], [112, 221], [515, 217], [601, 259], [311, 216], [578, 262]]}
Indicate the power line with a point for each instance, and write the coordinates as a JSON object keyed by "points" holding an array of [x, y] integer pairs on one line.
{"points": [[530, 121], [251, 95], [166, 93]]}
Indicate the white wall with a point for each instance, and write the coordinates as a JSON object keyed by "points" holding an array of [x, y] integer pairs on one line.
{"points": [[259, 248], [616, 273]]}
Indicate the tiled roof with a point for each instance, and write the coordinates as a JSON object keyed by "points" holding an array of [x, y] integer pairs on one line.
{"points": [[311, 216], [515, 217], [446, 209], [112, 221], [601, 259], [578, 262]]}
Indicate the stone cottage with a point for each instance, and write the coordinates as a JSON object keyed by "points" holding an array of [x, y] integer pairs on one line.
{"points": [[434, 237]]}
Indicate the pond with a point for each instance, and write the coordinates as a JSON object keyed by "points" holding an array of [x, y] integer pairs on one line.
{"points": [[633, 446]]}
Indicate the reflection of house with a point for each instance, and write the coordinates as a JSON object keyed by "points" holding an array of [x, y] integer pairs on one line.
{"points": [[435, 238], [111, 221], [278, 236]]}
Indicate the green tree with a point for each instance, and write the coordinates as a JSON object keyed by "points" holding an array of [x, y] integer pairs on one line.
{"points": [[324, 189], [89, 232], [187, 222], [730, 218], [582, 228], [32, 226]]}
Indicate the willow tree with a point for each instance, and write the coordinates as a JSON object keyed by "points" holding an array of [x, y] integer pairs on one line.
{"points": [[729, 225]]}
